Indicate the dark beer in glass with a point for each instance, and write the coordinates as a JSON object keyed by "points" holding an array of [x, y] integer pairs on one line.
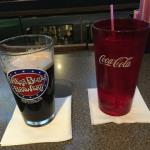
{"points": [[28, 63]]}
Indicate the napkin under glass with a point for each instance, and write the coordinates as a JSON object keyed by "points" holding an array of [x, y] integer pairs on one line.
{"points": [[139, 112], [59, 129]]}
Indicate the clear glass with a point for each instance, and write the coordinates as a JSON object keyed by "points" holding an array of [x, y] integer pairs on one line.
{"points": [[28, 64], [118, 56]]}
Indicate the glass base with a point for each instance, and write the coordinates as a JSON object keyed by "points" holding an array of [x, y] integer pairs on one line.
{"points": [[114, 112], [39, 123]]}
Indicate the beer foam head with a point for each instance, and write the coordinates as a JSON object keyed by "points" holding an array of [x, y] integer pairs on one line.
{"points": [[38, 60]]}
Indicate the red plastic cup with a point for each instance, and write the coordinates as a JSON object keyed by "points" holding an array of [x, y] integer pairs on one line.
{"points": [[118, 55]]}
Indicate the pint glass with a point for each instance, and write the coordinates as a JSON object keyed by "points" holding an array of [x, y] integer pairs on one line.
{"points": [[118, 55], [27, 62]]}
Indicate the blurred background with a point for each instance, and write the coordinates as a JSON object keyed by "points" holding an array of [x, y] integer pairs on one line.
{"points": [[68, 22]]}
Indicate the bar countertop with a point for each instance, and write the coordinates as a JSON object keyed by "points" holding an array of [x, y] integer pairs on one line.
{"points": [[79, 68]]}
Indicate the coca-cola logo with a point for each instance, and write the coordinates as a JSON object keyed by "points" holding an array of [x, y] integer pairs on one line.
{"points": [[121, 62], [28, 84]]}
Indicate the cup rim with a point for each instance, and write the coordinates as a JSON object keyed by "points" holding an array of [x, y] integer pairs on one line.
{"points": [[47, 45], [119, 31]]}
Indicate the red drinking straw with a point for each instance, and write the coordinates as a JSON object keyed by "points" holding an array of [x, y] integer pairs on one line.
{"points": [[112, 17]]}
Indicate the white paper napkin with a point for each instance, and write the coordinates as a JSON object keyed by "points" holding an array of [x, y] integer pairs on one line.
{"points": [[138, 113], [18, 133]]}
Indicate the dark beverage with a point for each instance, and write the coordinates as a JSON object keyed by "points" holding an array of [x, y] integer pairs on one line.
{"points": [[42, 108], [26, 83], [118, 56], [29, 66]]}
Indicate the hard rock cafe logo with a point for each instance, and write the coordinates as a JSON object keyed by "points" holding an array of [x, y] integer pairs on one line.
{"points": [[121, 62], [28, 84]]}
